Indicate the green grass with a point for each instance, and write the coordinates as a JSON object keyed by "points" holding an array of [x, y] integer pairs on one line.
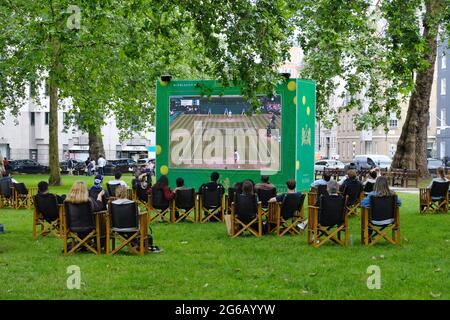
{"points": [[201, 262]]}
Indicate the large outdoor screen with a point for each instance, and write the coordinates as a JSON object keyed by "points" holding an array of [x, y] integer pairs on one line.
{"points": [[225, 132]]}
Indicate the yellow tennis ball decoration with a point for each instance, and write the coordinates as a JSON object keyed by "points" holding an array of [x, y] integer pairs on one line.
{"points": [[163, 83], [158, 149], [291, 86], [164, 170], [304, 100], [308, 111], [297, 165], [295, 100]]}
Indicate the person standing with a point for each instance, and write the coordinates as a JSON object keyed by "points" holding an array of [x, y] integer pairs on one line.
{"points": [[70, 166], [87, 164], [92, 167], [101, 165], [6, 164]]}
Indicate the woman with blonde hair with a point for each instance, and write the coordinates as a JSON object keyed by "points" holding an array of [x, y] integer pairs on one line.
{"points": [[79, 194], [380, 189]]}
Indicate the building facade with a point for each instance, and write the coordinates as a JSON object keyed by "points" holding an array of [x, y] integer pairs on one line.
{"points": [[27, 136], [443, 101]]}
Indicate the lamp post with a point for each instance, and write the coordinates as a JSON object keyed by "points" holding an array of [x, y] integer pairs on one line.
{"points": [[354, 147]]}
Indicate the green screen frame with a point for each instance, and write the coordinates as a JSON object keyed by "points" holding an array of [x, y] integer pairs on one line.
{"points": [[297, 132]]}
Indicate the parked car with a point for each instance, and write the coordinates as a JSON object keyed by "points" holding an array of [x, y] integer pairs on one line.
{"points": [[433, 164], [119, 165], [370, 161], [78, 167], [328, 164], [27, 166]]}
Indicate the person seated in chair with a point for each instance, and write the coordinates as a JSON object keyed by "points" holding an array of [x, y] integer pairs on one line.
{"points": [[122, 198], [163, 185], [117, 180], [248, 196], [79, 194], [264, 184], [142, 183], [291, 184], [96, 189], [370, 181], [180, 186], [43, 193], [320, 182], [212, 185], [440, 177], [380, 189], [350, 180]]}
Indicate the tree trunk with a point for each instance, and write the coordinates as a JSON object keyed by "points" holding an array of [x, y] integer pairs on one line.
{"points": [[412, 146], [96, 144], [55, 174]]}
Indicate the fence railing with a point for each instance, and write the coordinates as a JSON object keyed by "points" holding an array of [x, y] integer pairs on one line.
{"points": [[396, 177]]}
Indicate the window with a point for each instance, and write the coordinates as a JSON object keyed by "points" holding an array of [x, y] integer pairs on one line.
{"points": [[443, 118], [32, 118], [444, 62], [393, 123], [46, 118], [443, 86], [442, 149]]}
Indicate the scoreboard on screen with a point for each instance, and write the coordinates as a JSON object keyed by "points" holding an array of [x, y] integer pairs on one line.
{"points": [[203, 127]]}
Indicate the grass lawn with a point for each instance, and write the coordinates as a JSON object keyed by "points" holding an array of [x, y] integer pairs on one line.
{"points": [[201, 262]]}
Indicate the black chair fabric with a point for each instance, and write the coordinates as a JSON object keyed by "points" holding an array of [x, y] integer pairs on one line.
{"points": [[264, 195], [80, 217], [382, 208], [20, 188], [212, 198], [439, 189], [124, 216], [158, 200], [291, 203], [331, 210], [352, 190], [47, 205], [368, 187], [246, 207], [185, 199], [5, 187]]}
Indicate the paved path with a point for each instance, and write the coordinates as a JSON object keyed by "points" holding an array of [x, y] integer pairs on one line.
{"points": [[406, 190]]}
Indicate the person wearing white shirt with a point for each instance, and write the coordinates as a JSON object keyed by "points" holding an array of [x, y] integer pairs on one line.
{"points": [[117, 180], [101, 162]]}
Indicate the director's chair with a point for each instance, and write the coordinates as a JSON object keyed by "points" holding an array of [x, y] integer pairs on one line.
{"points": [[380, 219], [327, 221], [285, 216], [246, 215], [184, 206]]}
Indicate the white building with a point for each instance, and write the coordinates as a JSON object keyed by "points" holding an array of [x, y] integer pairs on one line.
{"points": [[27, 136]]}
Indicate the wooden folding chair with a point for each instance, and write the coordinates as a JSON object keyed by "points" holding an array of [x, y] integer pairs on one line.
{"points": [[264, 196], [158, 206], [185, 205], [49, 215], [23, 197], [328, 221], [211, 204], [382, 218], [353, 194], [285, 216], [82, 225], [126, 224], [435, 199], [245, 214]]}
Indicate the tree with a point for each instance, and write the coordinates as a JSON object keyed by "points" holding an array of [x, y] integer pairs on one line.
{"points": [[384, 52], [100, 43]]}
